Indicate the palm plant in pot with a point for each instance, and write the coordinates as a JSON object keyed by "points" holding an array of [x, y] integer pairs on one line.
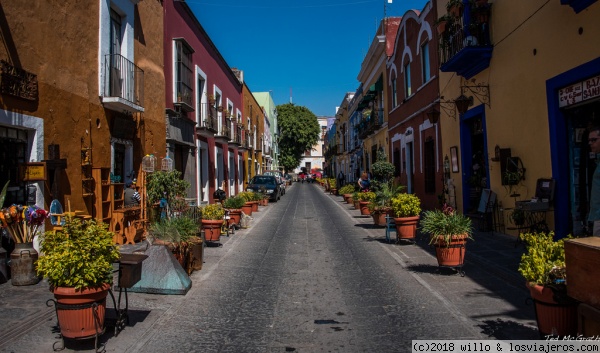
{"points": [[406, 209], [212, 221], [78, 263], [448, 231], [382, 205], [544, 268]]}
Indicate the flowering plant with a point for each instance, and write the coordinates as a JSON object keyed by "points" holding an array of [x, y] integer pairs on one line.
{"points": [[444, 224], [22, 222]]}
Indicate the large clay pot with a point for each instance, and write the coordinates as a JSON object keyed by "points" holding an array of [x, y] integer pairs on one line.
{"points": [[247, 209], [235, 216], [80, 321], [553, 318], [22, 266], [347, 197], [212, 229], [453, 254], [364, 208], [406, 227], [379, 218], [356, 204], [254, 206]]}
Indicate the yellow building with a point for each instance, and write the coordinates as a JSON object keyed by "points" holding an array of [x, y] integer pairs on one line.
{"points": [[521, 87]]}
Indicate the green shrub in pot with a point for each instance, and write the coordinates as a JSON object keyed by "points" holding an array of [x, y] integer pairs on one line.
{"points": [[234, 203]]}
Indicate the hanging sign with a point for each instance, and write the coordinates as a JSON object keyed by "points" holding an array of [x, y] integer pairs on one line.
{"points": [[33, 171], [579, 92]]}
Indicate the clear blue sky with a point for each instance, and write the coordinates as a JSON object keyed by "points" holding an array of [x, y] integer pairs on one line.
{"points": [[314, 47]]}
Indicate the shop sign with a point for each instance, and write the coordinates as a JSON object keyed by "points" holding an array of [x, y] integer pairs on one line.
{"points": [[33, 171], [579, 92]]}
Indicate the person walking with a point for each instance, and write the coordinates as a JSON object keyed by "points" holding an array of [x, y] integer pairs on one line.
{"points": [[341, 179], [594, 214]]}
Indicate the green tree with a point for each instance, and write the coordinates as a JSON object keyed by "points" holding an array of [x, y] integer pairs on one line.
{"points": [[299, 131]]}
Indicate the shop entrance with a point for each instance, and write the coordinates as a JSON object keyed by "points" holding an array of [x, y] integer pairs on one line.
{"points": [[475, 168], [13, 152], [582, 163]]}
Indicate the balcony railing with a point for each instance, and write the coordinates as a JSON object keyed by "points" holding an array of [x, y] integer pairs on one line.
{"points": [[208, 118], [237, 135], [370, 123], [465, 45], [124, 83]]}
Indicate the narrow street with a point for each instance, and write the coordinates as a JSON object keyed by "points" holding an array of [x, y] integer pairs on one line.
{"points": [[312, 275]]}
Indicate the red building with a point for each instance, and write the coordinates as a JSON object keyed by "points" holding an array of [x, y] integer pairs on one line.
{"points": [[414, 132], [203, 98]]}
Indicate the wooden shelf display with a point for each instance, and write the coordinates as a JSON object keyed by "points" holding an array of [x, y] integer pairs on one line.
{"points": [[102, 204]]}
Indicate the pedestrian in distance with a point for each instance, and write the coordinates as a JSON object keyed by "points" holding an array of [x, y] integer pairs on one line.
{"points": [[341, 179]]}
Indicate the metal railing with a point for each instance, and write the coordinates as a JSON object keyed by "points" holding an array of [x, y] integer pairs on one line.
{"points": [[460, 35], [208, 117], [123, 79]]}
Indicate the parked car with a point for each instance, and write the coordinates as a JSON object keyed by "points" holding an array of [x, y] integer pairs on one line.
{"points": [[268, 183], [280, 179]]}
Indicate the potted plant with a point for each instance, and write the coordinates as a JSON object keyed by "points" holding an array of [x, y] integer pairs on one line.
{"points": [[179, 235], [247, 196], [365, 198], [332, 186], [257, 197], [517, 217], [455, 7], [544, 269], [78, 263], [212, 220], [356, 200], [234, 205], [406, 209], [346, 191], [448, 231], [443, 23], [380, 208]]}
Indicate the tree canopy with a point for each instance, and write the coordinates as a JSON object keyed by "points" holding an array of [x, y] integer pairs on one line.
{"points": [[299, 131]]}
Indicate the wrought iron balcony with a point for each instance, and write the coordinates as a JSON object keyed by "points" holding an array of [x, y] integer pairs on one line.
{"points": [[466, 46], [370, 123], [123, 84], [237, 135], [208, 121]]}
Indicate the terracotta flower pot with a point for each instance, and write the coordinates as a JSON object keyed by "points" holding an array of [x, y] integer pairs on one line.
{"points": [[406, 227], [379, 218], [212, 229], [453, 255], [235, 216], [364, 208], [77, 321], [254, 206], [247, 209], [347, 197], [356, 204], [552, 317]]}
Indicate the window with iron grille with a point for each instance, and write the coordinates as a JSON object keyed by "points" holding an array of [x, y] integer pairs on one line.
{"points": [[425, 61], [183, 72]]}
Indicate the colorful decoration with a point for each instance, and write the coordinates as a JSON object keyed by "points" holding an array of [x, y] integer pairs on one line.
{"points": [[22, 222]]}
